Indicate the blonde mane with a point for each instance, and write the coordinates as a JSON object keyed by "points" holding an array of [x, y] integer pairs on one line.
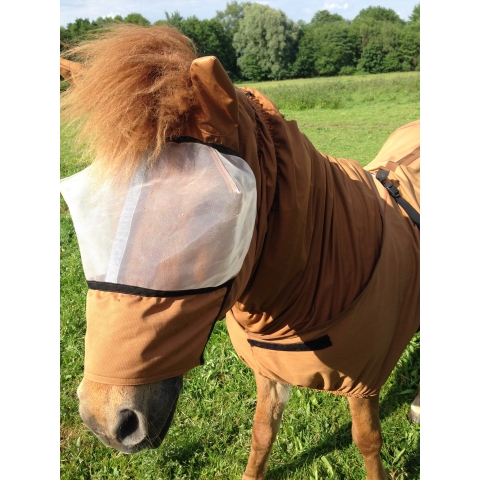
{"points": [[134, 93]]}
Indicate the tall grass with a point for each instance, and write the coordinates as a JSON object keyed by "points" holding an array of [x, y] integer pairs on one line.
{"points": [[342, 92], [210, 435]]}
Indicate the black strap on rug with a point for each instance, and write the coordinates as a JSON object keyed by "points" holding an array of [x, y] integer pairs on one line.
{"points": [[381, 176]]}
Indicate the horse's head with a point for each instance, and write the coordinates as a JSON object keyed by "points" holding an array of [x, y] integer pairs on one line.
{"points": [[167, 250]]}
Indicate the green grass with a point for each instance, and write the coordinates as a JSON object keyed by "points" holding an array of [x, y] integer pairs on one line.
{"points": [[348, 117], [341, 92], [210, 436]]}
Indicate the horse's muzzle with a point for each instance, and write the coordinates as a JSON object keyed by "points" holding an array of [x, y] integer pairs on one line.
{"points": [[129, 418]]}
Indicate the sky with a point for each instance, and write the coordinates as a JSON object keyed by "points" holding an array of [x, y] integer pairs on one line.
{"points": [[155, 10]]}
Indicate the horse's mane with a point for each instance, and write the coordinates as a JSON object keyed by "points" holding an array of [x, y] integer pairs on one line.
{"points": [[134, 92]]}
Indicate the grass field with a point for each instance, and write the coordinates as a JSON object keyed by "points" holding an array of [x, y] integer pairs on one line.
{"points": [[347, 117]]}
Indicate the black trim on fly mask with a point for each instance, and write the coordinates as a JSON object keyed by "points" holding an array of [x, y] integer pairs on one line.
{"points": [[381, 176], [147, 292], [220, 148], [309, 346]]}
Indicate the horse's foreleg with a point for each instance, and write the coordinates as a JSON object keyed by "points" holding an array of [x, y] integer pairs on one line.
{"points": [[367, 435], [272, 398]]}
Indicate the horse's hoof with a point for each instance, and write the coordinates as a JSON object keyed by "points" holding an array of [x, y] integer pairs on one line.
{"points": [[414, 417], [414, 414]]}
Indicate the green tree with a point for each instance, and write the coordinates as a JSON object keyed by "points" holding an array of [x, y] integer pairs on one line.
{"points": [[231, 16], [75, 31], [229, 19], [382, 54], [211, 39], [380, 32], [209, 36], [409, 42], [324, 17], [105, 21], [391, 62], [174, 20], [415, 15], [372, 58], [266, 42], [379, 14], [327, 45], [137, 19], [325, 49], [337, 48], [377, 24]]}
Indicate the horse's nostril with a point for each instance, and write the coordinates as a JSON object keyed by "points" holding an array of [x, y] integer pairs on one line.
{"points": [[127, 425]]}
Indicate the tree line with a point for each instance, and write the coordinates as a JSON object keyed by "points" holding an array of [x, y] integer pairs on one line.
{"points": [[256, 42]]}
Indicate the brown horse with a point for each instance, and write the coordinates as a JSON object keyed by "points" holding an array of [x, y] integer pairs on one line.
{"points": [[314, 264]]}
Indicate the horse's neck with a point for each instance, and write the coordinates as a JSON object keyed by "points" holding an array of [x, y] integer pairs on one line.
{"points": [[321, 245], [318, 231], [355, 213], [347, 235]]}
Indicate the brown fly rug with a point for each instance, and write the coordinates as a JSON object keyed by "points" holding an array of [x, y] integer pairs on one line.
{"points": [[341, 323], [328, 293]]}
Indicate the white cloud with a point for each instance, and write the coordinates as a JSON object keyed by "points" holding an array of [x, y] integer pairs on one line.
{"points": [[334, 6]]}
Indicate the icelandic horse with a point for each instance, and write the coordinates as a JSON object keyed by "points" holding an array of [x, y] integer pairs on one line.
{"points": [[324, 288]]}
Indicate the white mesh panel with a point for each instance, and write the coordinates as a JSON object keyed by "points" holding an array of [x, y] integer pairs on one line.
{"points": [[184, 223]]}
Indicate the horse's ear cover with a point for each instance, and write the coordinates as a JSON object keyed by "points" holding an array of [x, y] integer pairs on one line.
{"points": [[218, 115]]}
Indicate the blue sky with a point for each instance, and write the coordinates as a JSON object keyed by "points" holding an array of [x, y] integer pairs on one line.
{"points": [[155, 10]]}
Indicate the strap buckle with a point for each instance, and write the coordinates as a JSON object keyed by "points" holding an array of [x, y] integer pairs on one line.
{"points": [[381, 176], [392, 189]]}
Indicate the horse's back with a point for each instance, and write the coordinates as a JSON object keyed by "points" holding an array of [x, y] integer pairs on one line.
{"points": [[400, 155]]}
